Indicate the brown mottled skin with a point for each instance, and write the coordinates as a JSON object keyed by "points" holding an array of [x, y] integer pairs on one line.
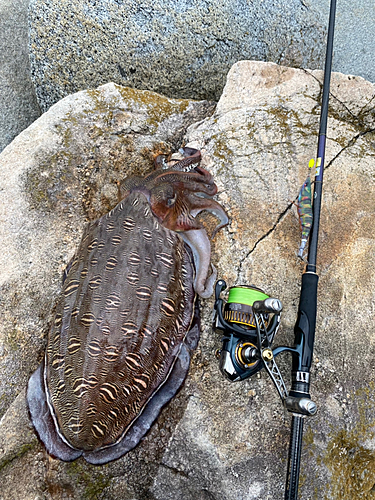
{"points": [[123, 326]]}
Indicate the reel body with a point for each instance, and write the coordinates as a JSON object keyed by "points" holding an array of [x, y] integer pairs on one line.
{"points": [[249, 321]]}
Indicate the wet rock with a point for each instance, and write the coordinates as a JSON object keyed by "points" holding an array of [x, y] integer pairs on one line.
{"points": [[215, 439]]}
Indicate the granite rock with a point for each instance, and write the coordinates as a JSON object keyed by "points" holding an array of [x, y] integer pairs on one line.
{"points": [[354, 43], [18, 103], [215, 439], [179, 48]]}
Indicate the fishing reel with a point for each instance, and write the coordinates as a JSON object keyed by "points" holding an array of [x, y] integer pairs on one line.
{"points": [[249, 320]]}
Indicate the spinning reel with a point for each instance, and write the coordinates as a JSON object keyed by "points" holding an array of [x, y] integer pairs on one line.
{"points": [[249, 321]]}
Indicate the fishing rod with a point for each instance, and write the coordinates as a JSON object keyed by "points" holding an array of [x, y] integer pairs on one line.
{"points": [[304, 330], [249, 319]]}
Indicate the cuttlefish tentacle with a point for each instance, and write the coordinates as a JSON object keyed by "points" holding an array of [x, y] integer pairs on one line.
{"points": [[181, 218], [191, 156], [196, 180], [199, 204], [178, 205], [199, 243], [176, 197]]}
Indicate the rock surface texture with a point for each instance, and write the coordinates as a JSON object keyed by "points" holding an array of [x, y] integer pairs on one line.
{"points": [[284, 32], [354, 43], [18, 104], [180, 48], [216, 440]]}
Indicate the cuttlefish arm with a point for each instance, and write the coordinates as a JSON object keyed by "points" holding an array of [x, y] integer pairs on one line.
{"points": [[190, 157], [163, 167], [199, 243], [176, 196], [198, 204]]}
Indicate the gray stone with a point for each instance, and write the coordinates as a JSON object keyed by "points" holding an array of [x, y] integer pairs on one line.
{"points": [[215, 440], [354, 41], [179, 48], [185, 48], [18, 104]]}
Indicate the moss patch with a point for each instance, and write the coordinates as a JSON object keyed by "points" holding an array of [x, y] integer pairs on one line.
{"points": [[90, 478], [21, 451], [158, 107], [352, 466], [47, 184], [95, 154]]}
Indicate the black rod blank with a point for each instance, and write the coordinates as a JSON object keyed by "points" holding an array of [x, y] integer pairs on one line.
{"points": [[313, 243], [304, 329], [295, 448]]}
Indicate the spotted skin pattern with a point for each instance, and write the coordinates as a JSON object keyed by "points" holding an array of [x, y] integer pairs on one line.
{"points": [[118, 324], [126, 319]]}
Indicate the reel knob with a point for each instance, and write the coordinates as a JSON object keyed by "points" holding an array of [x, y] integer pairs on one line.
{"points": [[269, 305], [247, 354]]}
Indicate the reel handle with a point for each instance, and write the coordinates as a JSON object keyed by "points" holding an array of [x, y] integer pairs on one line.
{"points": [[269, 305]]}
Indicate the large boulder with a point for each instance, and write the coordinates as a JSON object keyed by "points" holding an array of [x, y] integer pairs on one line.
{"points": [[18, 104], [59, 173], [181, 49], [215, 439]]}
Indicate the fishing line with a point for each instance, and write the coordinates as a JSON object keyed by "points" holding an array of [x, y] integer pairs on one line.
{"points": [[249, 320]]}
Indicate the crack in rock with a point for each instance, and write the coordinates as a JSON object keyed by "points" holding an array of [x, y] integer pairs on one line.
{"points": [[265, 235], [350, 143], [175, 471], [355, 117]]}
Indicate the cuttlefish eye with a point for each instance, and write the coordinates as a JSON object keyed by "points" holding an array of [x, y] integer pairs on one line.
{"points": [[171, 201], [95, 398], [165, 194]]}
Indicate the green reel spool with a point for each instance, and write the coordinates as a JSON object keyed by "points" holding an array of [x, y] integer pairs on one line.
{"points": [[238, 308]]}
